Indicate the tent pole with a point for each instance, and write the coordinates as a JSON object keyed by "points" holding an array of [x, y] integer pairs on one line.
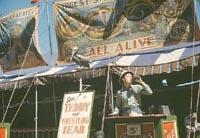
{"points": [[36, 108], [80, 82], [3, 104], [111, 93], [54, 103], [51, 52]]}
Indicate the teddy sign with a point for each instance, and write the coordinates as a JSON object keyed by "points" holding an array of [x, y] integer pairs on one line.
{"points": [[76, 115]]}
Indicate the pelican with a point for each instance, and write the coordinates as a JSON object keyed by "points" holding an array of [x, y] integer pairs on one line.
{"points": [[80, 59]]}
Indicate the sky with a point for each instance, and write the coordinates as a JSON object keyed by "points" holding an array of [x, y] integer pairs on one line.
{"points": [[7, 6], [197, 7]]}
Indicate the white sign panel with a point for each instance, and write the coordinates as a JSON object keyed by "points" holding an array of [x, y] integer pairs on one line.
{"points": [[76, 115]]}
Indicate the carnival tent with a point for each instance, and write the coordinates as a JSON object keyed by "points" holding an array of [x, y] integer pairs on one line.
{"points": [[163, 41]]}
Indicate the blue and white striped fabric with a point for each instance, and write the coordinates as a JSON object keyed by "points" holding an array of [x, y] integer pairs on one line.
{"points": [[166, 59], [147, 62]]}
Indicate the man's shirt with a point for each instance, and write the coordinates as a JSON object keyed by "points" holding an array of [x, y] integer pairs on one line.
{"points": [[129, 97]]}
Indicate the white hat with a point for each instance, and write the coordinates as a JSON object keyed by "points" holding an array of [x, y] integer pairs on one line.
{"points": [[124, 73], [19, 23]]}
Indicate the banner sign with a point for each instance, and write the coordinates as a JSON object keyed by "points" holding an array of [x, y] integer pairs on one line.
{"points": [[145, 130], [170, 130], [76, 115], [19, 40], [4, 130], [3, 133], [101, 28]]}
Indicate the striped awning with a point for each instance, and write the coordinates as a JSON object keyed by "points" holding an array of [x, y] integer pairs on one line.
{"points": [[157, 61], [148, 62], [9, 83], [70, 71]]}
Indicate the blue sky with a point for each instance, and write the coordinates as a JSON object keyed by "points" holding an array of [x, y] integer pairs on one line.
{"points": [[197, 7]]}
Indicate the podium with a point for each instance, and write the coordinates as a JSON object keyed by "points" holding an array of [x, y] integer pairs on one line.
{"points": [[147, 126]]}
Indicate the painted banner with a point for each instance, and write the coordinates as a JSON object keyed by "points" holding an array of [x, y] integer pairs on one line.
{"points": [[76, 115], [170, 130], [19, 40], [101, 28]]}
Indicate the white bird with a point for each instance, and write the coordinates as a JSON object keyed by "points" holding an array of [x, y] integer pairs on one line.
{"points": [[80, 59]]}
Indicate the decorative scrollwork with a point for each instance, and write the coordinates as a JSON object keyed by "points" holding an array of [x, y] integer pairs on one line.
{"points": [[138, 10]]}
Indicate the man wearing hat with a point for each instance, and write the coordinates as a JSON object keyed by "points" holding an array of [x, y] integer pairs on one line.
{"points": [[128, 100], [193, 128]]}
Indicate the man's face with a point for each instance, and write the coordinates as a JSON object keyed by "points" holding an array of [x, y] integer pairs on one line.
{"points": [[194, 121], [127, 79]]}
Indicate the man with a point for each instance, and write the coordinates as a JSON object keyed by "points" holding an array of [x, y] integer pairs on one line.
{"points": [[128, 100], [16, 33], [193, 128]]}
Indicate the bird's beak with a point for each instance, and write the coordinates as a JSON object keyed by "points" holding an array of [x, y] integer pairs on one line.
{"points": [[72, 56]]}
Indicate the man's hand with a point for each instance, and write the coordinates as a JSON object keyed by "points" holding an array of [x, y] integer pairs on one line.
{"points": [[191, 129], [112, 114], [137, 79]]}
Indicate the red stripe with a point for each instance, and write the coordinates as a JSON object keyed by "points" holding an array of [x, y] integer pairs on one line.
{"points": [[34, 1]]}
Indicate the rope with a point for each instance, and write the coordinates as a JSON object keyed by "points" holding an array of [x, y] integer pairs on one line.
{"points": [[13, 91], [111, 94], [197, 105], [9, 102], [106, 92], [22, 101], [15, 86], [192, 72]]}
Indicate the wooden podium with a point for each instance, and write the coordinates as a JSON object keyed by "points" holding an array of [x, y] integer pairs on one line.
{"points": [[147, 126]]}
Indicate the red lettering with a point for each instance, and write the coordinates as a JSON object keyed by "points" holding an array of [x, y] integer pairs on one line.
{"points": [[68, 107], [67, 129], [77, 107], [105, 50], [99, 51], [73, 129], [119, 47], [92, 51], [134, 44], [142, 42], [127, 46], [171, 134]]}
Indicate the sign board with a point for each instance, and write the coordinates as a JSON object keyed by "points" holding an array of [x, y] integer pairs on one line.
{"points": [[170, 130], [76, 115], [135, 130], [4, 130]]}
